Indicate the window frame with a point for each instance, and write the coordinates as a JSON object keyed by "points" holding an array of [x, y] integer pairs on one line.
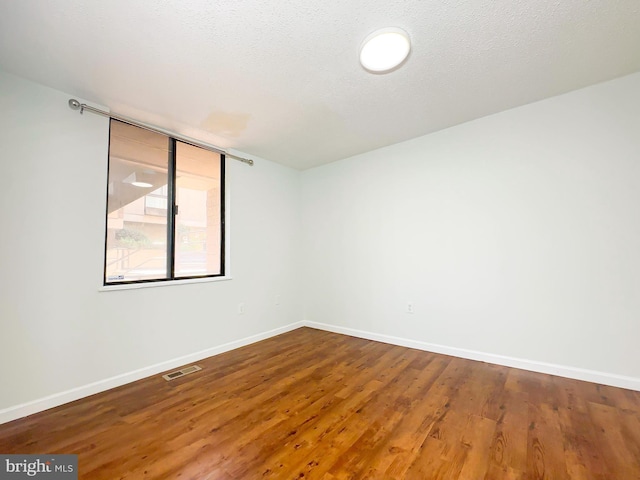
{"points": [[172, 211]]}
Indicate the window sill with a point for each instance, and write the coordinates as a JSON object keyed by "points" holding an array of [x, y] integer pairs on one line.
{"points": [[133, 286]]}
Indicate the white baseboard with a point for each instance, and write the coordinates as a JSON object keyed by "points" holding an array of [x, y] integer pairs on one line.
{"points": [[41, 404], [593, 376]]}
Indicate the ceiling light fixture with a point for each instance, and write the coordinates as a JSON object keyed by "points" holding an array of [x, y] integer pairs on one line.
{"points": [[135, 180], [142, 184], [385, 49]]}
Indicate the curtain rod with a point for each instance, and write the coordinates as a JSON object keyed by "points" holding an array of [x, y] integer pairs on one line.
{"points": [[76, 105]]}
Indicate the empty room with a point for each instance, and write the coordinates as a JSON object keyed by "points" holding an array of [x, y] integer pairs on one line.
{"points": [[321, 240]]}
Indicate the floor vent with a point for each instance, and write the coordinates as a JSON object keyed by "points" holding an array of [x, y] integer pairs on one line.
{"points": [[181, 373]]}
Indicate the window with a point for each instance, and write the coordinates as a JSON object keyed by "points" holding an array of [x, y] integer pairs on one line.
{"points": [[165, 208]]}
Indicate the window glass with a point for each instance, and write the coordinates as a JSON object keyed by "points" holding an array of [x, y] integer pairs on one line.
{"points": [[147, 238], [198, 242]]}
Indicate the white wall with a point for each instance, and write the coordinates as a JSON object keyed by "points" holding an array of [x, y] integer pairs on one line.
{"points": [[516, 234], [57, 331]]}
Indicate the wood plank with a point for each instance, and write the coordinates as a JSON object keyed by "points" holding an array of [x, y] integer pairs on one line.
{"points": [[508, 455], [618, 445], [545, 450]]}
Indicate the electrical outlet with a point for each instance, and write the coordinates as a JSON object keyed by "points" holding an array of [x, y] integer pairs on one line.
{"points": [[410, 307], [240, 308]]}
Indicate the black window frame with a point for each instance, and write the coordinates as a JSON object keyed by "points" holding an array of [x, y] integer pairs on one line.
{"points": [[172, 211]]}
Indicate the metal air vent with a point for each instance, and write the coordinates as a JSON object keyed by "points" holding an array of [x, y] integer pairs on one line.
{"points": [[181, 373]]}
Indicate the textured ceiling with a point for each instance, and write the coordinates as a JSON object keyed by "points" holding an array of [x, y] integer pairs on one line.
{"points": [[280, 79]]}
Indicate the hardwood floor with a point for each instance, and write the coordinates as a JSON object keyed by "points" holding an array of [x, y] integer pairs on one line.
{"points": [[317, 405]]}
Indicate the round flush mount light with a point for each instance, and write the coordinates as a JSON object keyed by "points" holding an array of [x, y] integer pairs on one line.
{"points": [[142, 184], [138, 179], [385, 49]]}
